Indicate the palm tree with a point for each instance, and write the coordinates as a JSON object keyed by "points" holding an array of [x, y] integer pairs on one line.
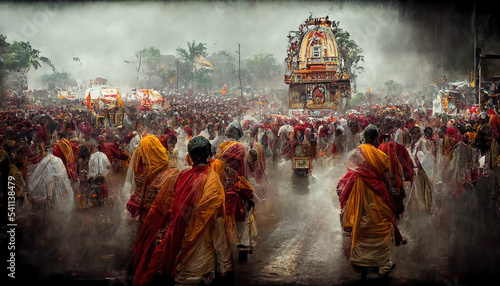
{"points": [[191, 56]]}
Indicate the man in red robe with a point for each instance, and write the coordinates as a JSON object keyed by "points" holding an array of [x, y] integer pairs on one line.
{"points": [[195, 244], [113, 151], [402, 170], [68, 152]]}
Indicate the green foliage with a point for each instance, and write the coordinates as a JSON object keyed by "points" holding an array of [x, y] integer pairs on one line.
{"points": [[193, 51], [204, 80], [58, 80], [149, 69], [263, 69], [358, 99], [16, 60], [3, 90], [393, 88], [190, 56], [351, 53], [20, 57], [225, 71], [148, 58], [3, 46]]}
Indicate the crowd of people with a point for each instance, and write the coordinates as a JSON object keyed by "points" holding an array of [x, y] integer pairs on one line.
{"points": [[193, 174], [421, 172]]}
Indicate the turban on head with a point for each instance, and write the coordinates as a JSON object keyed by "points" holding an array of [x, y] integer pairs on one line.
{"points": [[197, 142], [236, 125], [198, 148]]}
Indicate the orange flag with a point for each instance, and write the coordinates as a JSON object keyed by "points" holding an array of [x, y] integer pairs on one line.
{"points": [[88, 101], [224, 89]]}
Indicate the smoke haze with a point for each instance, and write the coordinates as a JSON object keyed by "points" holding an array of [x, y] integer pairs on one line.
{"points": [[103, 35]]}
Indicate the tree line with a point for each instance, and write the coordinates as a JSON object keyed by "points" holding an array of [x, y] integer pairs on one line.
{"points": [[195, 68], [192, 68], [16, 60]]}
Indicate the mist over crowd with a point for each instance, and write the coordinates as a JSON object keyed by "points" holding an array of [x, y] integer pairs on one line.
{"points": [[411, 53], [405, 42]]}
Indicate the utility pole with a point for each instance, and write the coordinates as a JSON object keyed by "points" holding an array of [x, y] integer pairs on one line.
{"points": [[137, 80], [475, 52], [177, 77], [138, 68], [479, 86], [239, 70]]}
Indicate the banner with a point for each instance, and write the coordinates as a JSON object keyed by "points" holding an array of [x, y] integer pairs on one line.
{"points": [[88, 101], [203, 60]]}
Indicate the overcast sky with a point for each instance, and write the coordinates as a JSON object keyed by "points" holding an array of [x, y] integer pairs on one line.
{"points": [[103, 35]]}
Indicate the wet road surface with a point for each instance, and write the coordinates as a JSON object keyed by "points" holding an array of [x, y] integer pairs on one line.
{"points": [[300, 242]]}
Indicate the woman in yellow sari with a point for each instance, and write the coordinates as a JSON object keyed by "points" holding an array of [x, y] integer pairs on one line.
{"points": [[367, 206]]}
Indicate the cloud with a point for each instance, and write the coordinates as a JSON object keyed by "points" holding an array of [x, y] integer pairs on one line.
{"points": [[103, 35]]}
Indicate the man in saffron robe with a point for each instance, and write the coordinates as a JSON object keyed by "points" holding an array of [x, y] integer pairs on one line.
{"points": [[367, 206], [150, 158], [195, 242], [220, 168]]}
